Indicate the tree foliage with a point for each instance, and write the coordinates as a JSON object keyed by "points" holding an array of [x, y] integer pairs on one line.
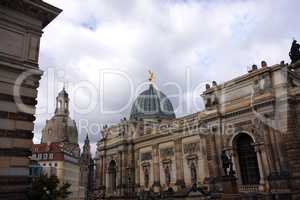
{"points": [[48, 188]]}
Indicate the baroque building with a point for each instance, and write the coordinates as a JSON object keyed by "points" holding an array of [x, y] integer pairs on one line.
{"points": [[253, 119], [21, 27]]}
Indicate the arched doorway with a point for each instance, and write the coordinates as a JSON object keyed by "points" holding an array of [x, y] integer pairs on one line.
{"points": [[248, 164], [112, 172]]}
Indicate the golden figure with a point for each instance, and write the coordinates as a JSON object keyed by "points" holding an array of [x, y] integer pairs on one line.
{"points": [[151, 76]]}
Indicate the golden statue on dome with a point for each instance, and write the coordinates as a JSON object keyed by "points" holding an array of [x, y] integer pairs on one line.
{"points": [[151, 76]]}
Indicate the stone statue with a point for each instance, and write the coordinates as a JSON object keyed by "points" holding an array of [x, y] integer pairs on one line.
{"points": [[193, 173], [227, 164], [295, 52], [168, 176], [146, 177], [207, 86]]}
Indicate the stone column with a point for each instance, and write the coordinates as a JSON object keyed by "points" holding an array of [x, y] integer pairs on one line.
{"points": [[137, 168], [120, 173], [269, 149], [99, 176], [236, 164], [261, 168], [124, 177], [101, 171], [104, 169], [179, 164], [156, 171]]}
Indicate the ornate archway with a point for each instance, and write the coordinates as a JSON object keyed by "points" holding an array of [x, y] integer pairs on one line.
{"points": [[112, 174], [247, 159]]}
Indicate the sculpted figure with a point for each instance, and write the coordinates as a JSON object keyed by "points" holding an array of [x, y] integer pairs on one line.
{"points": [[295, 52], [227, 164]]}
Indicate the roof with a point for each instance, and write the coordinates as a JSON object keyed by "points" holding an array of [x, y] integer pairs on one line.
{"points": [[152, 103]]}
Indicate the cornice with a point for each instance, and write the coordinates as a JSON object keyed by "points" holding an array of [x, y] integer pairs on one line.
{"points": [[34, 8]]}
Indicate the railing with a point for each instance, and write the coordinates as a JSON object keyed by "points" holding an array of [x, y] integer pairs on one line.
{"points": [[249, 188]]}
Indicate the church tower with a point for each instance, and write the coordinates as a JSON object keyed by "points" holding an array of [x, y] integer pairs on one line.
{"points": [[61, 128], [87, 169], [87, 147]]}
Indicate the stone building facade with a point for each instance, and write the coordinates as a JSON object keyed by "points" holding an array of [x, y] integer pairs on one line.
{"points": [[253, 118], [21, 25]]}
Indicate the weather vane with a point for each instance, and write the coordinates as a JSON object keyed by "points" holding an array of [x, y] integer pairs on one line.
{"points": [[151, 76]]}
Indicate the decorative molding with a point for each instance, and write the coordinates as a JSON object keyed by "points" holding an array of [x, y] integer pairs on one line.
{"points": [[167, 152], [17, 116], [146, 156], [21, 134], [34, 8], [191, 148], [15, 152], [25, 100]]}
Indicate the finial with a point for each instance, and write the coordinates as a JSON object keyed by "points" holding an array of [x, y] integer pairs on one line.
{"points": [[151, 76]]}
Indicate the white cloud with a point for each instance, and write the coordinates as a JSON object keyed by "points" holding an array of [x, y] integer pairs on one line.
{"points": [[214, 40]]}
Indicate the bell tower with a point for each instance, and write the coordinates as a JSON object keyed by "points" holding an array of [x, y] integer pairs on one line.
{"points": [[62, 103]]}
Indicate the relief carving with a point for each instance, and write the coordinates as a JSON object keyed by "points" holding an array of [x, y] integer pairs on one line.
{"points": [[166, 152], [262, 84], [191, 148], [146, 156]]}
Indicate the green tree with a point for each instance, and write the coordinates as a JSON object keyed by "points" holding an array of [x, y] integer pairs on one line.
{"points": [[48, 188]]}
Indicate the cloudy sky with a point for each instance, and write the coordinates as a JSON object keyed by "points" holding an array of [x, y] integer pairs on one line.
{"points": [[102, 51]]}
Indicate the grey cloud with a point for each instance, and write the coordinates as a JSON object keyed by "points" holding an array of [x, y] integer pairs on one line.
{"points": [[215, 41]]}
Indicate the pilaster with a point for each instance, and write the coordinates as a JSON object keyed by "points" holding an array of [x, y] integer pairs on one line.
{"points": [[156, 184]]}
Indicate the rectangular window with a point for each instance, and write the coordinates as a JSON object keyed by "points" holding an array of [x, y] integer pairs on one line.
{"points": [[51, 156], [45, 156], [39, 156]]}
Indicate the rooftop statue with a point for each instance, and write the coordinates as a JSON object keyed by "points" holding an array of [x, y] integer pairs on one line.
{"points": [[295, 52], [151, 76]]}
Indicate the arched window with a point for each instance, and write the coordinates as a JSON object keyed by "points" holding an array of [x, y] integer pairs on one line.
{"points": [[112, 172], [249, 170], [193, 173], [59, 104], [66, 105]]}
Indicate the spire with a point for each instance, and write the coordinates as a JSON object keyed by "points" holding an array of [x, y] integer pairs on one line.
{"points": [[87, 141], [86, 146]]}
